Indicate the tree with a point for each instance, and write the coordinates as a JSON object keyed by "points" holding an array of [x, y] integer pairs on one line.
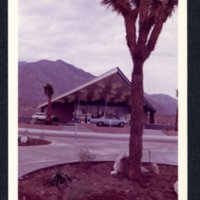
{"points": [[176, 120], [48, 91], [144, 21]]}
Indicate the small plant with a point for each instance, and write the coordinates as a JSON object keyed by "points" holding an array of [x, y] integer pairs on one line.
{"points": [[42, 136], [85, 156], [149, 157], [25, 133], [58, 179]]}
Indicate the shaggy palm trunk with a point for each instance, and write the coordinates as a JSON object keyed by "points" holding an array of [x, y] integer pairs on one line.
{"points": [[137, 117], [48, 120]]}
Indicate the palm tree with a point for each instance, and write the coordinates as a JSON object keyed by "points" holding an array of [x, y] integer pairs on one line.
{"points": [[48, 91], [144, 21]]}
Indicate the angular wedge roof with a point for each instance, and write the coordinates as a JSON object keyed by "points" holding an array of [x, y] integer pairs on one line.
{"points": [[112, 86]]}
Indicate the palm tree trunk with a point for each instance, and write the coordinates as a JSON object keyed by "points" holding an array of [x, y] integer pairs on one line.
{"points": [[137, 117], [49, 110]]}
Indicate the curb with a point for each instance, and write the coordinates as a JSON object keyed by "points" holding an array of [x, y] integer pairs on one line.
{"points": [[87, 135]]}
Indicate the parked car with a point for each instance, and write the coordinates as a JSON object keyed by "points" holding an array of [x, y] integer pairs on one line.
{"points": [[41, 116], [106, 121], [76, 120]]}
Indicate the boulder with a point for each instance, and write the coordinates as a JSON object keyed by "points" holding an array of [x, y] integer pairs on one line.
{"points": [[120, 164], [144, 170], [155, 168], [176, 187], [24, 139]]}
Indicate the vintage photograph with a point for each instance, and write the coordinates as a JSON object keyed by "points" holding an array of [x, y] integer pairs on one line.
{"points": [[98, 100]]}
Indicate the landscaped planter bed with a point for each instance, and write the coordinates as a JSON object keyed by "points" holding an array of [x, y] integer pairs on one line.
{"points": [[92, 181], [34, 142]]}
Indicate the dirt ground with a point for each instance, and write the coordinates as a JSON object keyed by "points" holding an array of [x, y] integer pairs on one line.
{"points": [[40, 126], [92, 181], [34, 141], [171, 132]]}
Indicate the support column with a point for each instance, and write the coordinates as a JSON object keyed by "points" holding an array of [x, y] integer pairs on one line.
{"points": [[105, 110], [152, 118]]}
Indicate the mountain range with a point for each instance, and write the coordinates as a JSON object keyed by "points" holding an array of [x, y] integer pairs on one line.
{"points": [[64, 77], [163, 103], [33, 76]]}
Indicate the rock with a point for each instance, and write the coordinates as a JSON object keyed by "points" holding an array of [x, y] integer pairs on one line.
{"points": [[144, 170], [155, 168], [121, 164], [24, 139], [42, 192], [176, 187], [113, 172]]}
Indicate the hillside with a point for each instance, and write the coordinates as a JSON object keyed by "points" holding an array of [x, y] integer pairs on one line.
{"points": [[164, 104], [33, 76]]}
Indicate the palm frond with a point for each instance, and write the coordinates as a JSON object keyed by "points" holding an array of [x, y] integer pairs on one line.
{"points": [[48, 90], [162, 9], [121, 6]]}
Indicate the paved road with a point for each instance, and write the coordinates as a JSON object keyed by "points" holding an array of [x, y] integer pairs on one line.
{"points": [[148, 135], [63, 149]]}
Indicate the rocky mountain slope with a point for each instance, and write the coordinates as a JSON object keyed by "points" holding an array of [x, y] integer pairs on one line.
{"points": [[33, 76], [164, 104]]}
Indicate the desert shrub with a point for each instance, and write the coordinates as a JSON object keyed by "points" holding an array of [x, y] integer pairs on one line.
{"points": [[85, 156], [42, 136], [57, 179], [25, 133]]}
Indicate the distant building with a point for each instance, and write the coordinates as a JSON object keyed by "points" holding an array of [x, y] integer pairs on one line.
{"points": [[108, 94]]}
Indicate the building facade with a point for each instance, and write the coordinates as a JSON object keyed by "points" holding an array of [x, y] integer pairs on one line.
{"points": [[106, 95]]}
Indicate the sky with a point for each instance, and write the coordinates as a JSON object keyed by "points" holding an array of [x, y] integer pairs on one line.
{"points": [[92, 37]]}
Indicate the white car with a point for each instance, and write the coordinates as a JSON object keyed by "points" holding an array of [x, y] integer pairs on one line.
{"points": [[106, 121], [42, 116], [39, 116]]}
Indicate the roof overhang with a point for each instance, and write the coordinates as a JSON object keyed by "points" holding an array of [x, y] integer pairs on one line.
{"points": [[113, 87]]}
